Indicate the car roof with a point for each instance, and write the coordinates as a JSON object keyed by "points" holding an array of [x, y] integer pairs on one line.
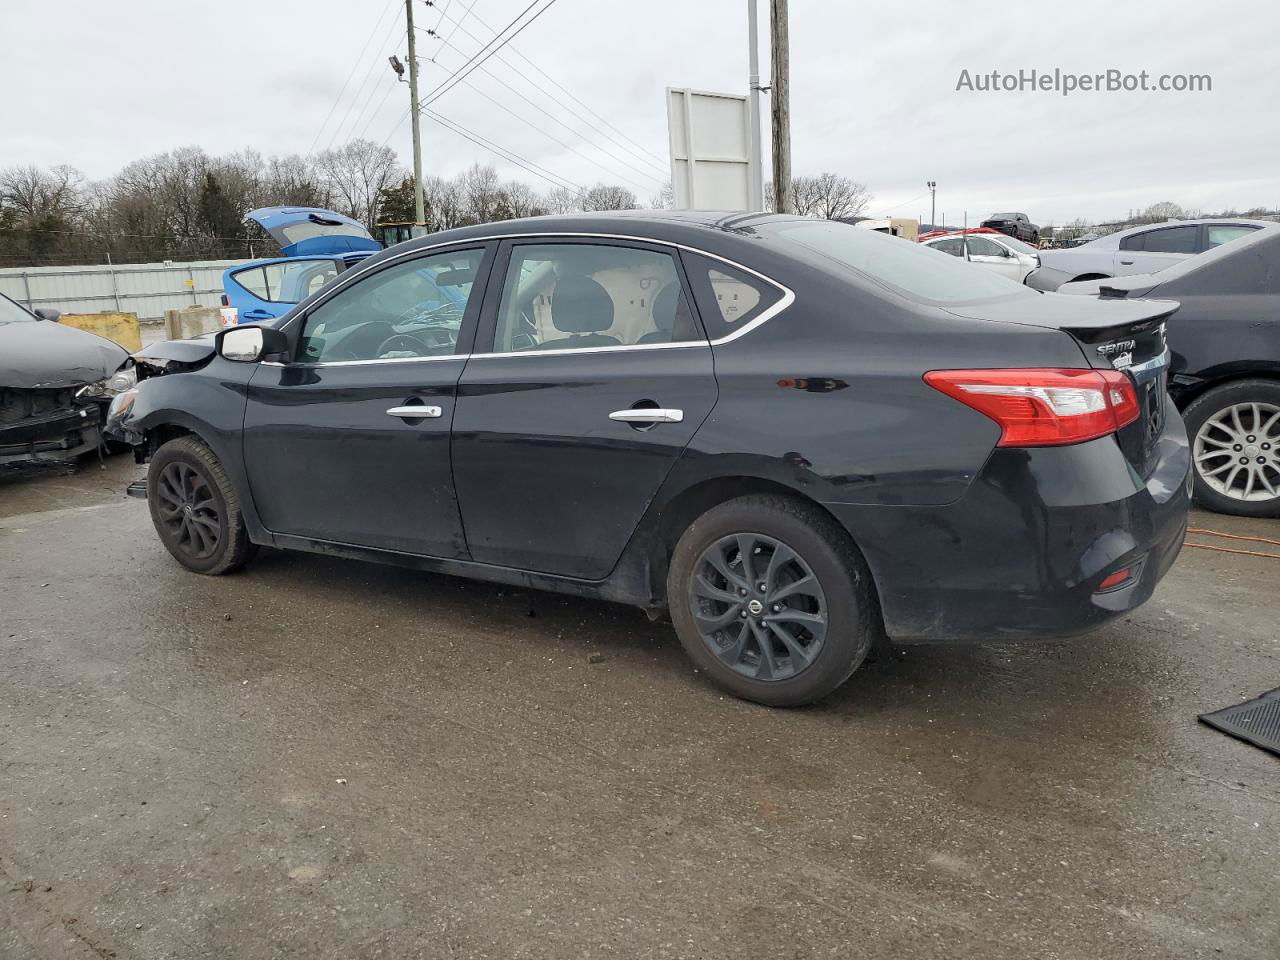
{"points": [[709, 228]]}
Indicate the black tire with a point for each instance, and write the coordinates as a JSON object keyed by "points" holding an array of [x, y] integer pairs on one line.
{"points": [[196, 510], [847, 601], [1205, 455]]}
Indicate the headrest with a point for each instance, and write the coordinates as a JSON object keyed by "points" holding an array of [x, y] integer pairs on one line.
{"points": [[665, 305], [580, 305]]}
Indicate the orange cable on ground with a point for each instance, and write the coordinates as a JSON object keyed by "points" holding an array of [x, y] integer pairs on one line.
{"points": [[1231, 536], [1243, 553]]}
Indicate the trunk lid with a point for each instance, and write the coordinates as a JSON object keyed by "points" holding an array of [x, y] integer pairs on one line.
{"points": [[312, 231], [1112, 333]]}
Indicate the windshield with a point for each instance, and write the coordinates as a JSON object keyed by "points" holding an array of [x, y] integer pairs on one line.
{"points": [[10, 312], [906, 268]]}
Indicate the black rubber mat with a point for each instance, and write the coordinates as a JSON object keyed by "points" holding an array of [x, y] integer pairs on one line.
{"points": [[1255, 721]]}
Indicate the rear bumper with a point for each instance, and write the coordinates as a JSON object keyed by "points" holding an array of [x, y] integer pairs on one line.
{"points": [[1022, 555]]}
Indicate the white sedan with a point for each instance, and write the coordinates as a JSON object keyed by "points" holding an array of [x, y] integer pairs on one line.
{"points": [[993, 251]]}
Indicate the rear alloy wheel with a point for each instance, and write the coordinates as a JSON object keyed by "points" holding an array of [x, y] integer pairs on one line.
{"points": [[1235, 448], [195, 509], [771, 600]]}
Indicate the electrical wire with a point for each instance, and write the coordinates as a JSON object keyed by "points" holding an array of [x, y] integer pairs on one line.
{"points": [[395, 22], [504, 152], [577, 133], [567, 146], [484, 53], [354, 67], [660, 165]]}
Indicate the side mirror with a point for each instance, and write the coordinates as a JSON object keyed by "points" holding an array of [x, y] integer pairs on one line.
{"points": [[47, 313], [249, 344]]}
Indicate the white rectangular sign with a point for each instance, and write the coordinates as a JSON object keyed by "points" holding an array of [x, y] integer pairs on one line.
{"points": [[710, 134]]}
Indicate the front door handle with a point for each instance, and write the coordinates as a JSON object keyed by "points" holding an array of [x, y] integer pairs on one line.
{"points": [[647, 415], [1127, 263], [416, 412]]}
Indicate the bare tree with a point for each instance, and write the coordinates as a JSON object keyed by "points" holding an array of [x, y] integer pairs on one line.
{"points": [[356, 173], [829, 196], [522, 200], [562, 200], [482, 190], [608, 197], [34, 194], [446, 205], [665, 198], [1159, 212]]}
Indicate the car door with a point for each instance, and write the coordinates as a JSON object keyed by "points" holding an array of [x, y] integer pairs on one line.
{"points": [[993, 256], [269, 290], [595, 375], [1153, 250], [349, 442]]}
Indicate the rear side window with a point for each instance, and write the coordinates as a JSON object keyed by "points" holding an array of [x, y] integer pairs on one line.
{"points": [[951, 245], [1170, 240], [728, 298], [1225, 233], [571, 296]]}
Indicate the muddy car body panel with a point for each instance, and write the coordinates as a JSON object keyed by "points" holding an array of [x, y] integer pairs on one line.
{"points": [[815, 392]]}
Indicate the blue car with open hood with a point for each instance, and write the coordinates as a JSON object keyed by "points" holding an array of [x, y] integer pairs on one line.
{"points": [[315, 246]]}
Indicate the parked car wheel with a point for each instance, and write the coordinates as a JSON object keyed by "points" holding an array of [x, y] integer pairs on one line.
{"points": [[195, 508], [771, 600], [1235, 433]]}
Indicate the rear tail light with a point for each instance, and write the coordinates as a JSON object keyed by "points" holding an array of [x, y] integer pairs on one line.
{"points": [[1044, 408]]}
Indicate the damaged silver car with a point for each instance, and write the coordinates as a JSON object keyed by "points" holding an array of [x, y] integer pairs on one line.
{"points": [[56, 383]]}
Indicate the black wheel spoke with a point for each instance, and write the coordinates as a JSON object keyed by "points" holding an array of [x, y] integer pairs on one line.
{"points": [[187, 509], [758, 606]]}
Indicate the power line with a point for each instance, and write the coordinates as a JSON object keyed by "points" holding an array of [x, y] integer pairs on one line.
{"points": [[456, 23], [478, 59], [510, 155], [662, 164], [395, 22], [557, 140], [616, 140], [577, 133], [354, 67]]}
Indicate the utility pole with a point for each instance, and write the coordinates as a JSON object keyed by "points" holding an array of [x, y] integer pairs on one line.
{"points": [[756, 186], [780, 90], [419, 206], [933, 200]]}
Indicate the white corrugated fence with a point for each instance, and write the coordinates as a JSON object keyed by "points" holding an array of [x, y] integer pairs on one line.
{"points": [[147, 289]]}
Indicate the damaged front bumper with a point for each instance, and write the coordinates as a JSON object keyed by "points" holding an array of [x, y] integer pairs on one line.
{"points": [[47, 425]]}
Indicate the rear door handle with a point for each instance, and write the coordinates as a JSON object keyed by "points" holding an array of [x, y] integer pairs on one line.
{"points": [[647, 415], [416, 411], [1127, 263]]}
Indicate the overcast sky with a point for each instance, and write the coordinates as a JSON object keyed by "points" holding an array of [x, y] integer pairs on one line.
{"points": [[874, 94]]}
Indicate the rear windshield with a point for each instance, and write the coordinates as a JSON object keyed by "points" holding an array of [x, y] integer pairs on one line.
{"points": [[10, 312], [899, 265], [297, 232]]}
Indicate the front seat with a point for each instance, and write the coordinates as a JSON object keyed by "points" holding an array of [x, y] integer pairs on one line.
{"points": [[581, 308]]}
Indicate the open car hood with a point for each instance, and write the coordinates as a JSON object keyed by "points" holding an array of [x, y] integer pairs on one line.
{"points": [[312, 231], [44, 354]]}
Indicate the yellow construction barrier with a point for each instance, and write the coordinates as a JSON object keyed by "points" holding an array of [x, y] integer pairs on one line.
{"points": [[120, 327]]}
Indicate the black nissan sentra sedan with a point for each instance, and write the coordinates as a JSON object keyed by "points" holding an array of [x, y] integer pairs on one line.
{"points": [[789, 434]]}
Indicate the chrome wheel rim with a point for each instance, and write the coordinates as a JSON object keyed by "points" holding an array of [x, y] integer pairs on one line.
{"points": [[758, 607], [188, 511], [1237, 452]]}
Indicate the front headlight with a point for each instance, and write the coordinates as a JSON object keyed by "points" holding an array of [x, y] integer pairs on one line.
{"points": [[117, 383]]}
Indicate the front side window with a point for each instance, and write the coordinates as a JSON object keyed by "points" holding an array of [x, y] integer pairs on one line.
{"points": [[567, 296], [1225, 233], [411, 309], [982, 247]]}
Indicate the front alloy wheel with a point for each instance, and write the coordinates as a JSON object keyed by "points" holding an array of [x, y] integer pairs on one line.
{"points": [[758, 606], [187, 509]]}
